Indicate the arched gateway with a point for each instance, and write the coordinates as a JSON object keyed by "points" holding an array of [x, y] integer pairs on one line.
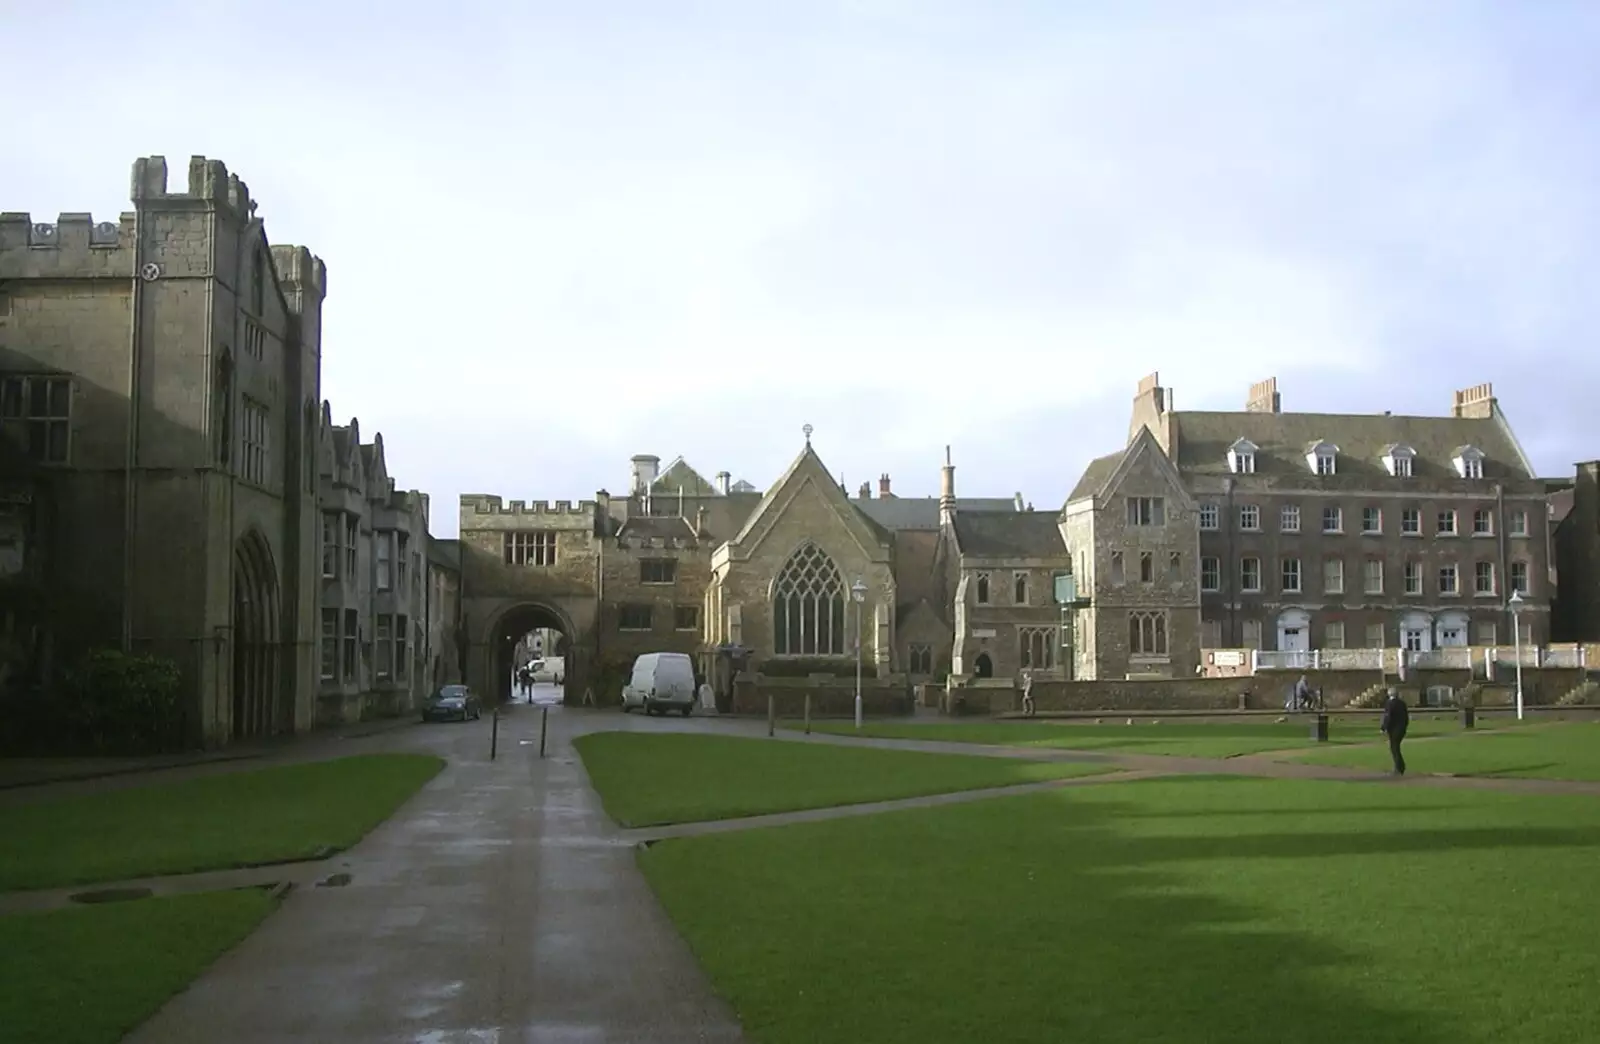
{"points": [[259, 708]]}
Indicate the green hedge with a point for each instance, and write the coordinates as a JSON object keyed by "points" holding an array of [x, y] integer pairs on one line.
{"points": [[109, 703]]}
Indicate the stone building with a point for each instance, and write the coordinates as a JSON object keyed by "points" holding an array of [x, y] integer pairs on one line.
{"points": [[1335, 531], [444, 654], [27, 580], [738, 578], [1575, 529], [375, 652], [166, 367], [1131, 527]]}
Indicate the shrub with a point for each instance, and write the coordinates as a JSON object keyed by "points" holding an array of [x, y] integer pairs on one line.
{"points": [[116, 702]]}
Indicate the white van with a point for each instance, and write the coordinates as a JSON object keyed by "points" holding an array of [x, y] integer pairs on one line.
{"points": [[661, 682]]}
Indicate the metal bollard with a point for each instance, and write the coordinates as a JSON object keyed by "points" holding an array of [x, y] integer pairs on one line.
{"points": [[494, 733], [544, 725], [808, 714], [772, 714]]}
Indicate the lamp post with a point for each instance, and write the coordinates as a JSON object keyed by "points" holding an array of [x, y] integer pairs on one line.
{"points": [[1516, 635], [858, 594]]}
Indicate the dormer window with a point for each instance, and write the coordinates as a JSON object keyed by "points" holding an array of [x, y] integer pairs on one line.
{"points": [[1242, 457], [1397, 460], [1323, 458], [1469, 462]]}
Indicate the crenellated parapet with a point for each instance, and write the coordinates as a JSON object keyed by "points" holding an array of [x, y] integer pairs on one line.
{"points": [[74, 246], [483, 511]]}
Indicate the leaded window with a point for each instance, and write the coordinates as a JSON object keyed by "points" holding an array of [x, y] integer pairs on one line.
{"points": [[808, 599]]}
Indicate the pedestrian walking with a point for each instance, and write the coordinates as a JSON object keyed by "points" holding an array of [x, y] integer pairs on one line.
{"points": [[1029, 709], [1396, 719]]}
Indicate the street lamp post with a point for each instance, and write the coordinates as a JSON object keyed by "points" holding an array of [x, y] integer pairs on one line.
{"points": [[858, 594], [1516, 634]]}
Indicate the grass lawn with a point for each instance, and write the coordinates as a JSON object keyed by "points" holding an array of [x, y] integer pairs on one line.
{"points": [[90, 974], [1184, 739], [649, 779], [1186, 911], [209, 823], [1568, 750]]}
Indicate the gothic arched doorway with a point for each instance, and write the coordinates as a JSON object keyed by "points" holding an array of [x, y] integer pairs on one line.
{"points": [[256, 710], [983, 667]]}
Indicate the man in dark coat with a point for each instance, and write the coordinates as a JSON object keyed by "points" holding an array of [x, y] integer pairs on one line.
{"points": [[1396, 719]]}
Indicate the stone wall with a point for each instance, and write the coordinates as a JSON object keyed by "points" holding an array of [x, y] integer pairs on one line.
{"points": [[830, 698], [1542, 686]]}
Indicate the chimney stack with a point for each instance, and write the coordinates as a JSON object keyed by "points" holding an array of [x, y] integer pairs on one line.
{"points": [[1264, 398], [947, 492], [883, 487], [724, 482], [643, 471], [700, 521], [1017, 500], [1477, 402], [866, 491]]}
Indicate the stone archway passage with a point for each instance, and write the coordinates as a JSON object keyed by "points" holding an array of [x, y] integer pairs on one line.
{"points": [[983, 667], [511, 626], [257, 709]]}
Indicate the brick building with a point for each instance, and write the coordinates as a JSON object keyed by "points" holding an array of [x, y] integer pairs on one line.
{"points": [[1335, 531]]}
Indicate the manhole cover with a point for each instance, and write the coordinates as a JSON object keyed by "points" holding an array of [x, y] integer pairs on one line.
{"points": [[112, 895]]}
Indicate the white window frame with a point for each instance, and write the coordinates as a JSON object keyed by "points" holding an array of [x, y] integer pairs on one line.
{"points": [[1250, 518], [1289, 518], [1367, 576], [1245, 583], [1449, 579], [1410, 521], [1412, 578], [1335, 514], [1333, 576], [1290, 573], [1482, 571], [1215, 564], [1209, 517], [1448, 523]]}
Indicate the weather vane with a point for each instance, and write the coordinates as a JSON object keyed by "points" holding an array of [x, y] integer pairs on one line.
{"points": [[808, 429]]}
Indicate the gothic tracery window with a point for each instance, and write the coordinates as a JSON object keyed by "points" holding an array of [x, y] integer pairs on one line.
{"points": [[808, 614]]}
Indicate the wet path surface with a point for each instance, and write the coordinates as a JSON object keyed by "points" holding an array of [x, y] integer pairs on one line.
{"points": [[500, 906]]}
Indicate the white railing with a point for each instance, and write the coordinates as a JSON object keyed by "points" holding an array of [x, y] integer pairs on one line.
{"points": [[1351, 659], [1507, 655], [1282, 660], [1449, 657], [1564, 656]]}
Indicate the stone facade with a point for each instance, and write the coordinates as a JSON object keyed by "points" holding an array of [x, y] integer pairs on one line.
{"points": [[445, 659], [374, 647], [187, 495], [163, 372], [1131, 528]]}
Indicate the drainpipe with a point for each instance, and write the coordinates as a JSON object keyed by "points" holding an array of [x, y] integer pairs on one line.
{"points": [[1228, 569], [129, 485], [1500, 550]]}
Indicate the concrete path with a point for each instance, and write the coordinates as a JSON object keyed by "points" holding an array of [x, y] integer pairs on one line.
{"points": [[499, 906]]}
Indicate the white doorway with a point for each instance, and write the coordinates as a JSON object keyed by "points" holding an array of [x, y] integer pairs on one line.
{"points": [[1294, 631], [1416, 632], [1451, 630]]}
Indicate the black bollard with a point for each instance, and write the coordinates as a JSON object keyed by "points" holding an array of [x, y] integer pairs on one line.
{"points": [[808, 714], [772, 714], [544, 725], [494, 733]]}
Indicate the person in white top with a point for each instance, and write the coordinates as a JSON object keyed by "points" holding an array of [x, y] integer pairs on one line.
{"points": [[708, 699]]}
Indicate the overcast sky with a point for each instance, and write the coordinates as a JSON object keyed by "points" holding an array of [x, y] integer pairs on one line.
{"points": [[559, 234]]}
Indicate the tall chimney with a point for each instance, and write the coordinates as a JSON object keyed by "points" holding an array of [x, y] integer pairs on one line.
{"points": [[724, 482], [947, 492], [1263, 397], [642, 472], [1476, 402], [866, 491], [883, 487]]}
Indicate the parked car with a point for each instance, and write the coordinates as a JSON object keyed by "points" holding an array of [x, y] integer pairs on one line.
{"points": [[661, 682], [453, 703]]}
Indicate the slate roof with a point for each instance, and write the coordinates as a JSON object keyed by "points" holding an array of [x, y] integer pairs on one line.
{"points": [[1202, 439], [680, 474], [1096, 475], [446, 553], [896, 513], [657, 526], [1012, 534]]}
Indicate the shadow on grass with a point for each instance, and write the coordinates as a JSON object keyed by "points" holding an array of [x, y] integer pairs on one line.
{"points": [[1510, 770], [1298, 813], [1031, 921]]}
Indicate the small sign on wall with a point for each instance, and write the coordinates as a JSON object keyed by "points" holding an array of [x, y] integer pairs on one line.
{"points": [[984, 632]]}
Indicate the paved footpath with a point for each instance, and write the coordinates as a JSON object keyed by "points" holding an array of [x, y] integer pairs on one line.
{"points": [[500, 906]]}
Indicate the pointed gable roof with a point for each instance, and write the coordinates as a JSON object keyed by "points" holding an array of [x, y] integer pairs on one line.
{"points": [[1144, 445], [808, 470], [679, 475]]}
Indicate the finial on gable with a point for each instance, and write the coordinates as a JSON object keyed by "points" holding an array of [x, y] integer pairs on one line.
{"points": [[807, 430]]}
